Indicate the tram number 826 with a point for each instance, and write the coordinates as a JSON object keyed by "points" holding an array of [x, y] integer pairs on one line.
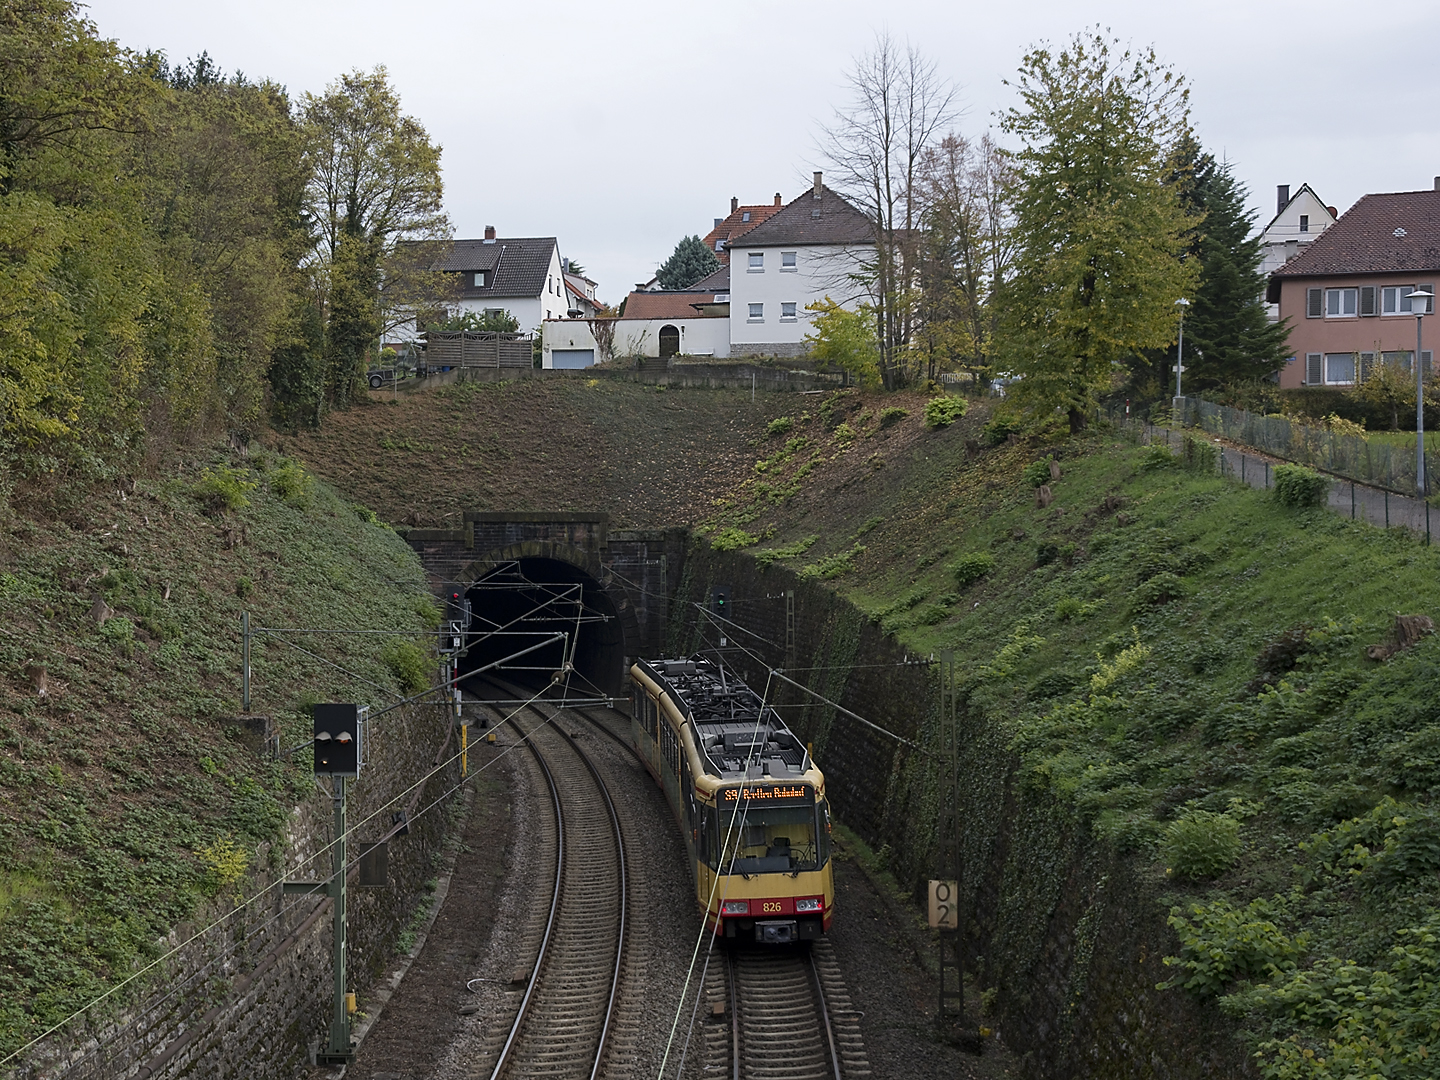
{"points": [[772, 907]]}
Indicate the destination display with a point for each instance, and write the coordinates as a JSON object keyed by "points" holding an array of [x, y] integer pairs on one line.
{"points": [[770, 795]]}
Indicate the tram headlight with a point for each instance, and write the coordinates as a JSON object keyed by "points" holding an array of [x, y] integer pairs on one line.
{"points": [[807, 905], [735, 907]]}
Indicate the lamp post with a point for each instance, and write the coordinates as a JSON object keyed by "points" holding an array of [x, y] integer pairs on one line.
{"points": [[1179, 403], [1419, 303]]}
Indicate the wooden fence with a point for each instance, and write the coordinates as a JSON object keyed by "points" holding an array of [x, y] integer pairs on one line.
{"points": [[478, 349]]}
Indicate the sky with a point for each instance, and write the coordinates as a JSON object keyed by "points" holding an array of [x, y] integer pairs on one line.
{"points": [[621, 127]]}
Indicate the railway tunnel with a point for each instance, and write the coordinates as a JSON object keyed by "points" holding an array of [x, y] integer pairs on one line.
{"points": [[529, 616]]}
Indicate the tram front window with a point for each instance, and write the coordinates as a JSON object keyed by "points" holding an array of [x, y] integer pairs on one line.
{"points": [[773, 840]]}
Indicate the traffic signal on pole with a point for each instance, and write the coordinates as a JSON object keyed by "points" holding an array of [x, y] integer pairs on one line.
{"points": [[720, 600], [337, 740]]}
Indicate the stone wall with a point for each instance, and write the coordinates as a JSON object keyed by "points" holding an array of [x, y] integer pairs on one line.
{"points": [[252, 997], [1070, 934]]}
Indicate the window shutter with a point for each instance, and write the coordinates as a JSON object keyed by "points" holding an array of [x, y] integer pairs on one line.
{"points": [[1425, 358], [1367, 299], [1367, 365], [1429, 304], [1314, 303], [1312, 365]]}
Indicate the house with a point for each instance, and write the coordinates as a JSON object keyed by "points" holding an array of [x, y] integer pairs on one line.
{"points": [[808, 250], [521, 275], [1298, 220], [579, 293], [740, 221], [1346, 296]]}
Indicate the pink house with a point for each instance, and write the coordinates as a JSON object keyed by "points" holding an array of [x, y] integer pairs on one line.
{"points": [[1347, 296]]}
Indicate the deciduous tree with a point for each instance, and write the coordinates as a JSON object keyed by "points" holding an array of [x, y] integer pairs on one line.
{"points": [[1099, 234]]}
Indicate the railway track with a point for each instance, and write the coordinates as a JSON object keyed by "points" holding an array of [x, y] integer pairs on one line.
{"points": [[563, 1020]]}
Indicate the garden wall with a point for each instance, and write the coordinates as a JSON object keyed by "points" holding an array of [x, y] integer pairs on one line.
{"points": [[1070, 936]]}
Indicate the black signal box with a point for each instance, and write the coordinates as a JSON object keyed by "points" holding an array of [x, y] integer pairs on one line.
{"points": [[337, 740], [720, 600]]}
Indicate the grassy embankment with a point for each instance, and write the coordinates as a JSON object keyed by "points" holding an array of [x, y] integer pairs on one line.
{"points": [[1180, 662], [128, 799]]}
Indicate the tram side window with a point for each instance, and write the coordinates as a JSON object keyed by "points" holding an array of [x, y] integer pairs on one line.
{"points": [[822, 831]]}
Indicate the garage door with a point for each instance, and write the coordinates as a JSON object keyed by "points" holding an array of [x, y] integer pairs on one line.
{"points": [[572, 358]]}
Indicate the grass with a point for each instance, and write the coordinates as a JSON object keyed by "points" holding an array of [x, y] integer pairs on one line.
{"points": [[128, 796]]}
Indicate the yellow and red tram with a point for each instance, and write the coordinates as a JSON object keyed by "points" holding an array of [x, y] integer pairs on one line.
{"points": [[747, 795]]}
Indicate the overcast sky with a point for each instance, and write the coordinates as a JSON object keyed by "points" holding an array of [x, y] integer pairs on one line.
{"points": [[621, 127]]}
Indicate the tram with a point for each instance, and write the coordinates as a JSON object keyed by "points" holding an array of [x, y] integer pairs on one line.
{"points": [[747, 795]]}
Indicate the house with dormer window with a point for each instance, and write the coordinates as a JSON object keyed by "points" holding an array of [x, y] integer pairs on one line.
{"points": [[1346, 298]]}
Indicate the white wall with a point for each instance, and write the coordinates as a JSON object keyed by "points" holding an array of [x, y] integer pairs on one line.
{"points": [[639, 337], [820, 271]]}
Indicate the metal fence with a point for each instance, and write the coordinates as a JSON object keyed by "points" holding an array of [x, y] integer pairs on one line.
{"points": [[1375, 463]]}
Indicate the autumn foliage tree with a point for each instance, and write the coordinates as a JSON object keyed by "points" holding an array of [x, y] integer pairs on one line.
{"points": [[1099, 235]]}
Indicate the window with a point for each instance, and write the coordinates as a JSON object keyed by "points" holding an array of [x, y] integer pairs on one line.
{"points": [[1395, 299], [1341, 303], [757, 312], [1304, 222], [1403, 360], [479, 279], [719, 245], [1339, 369], [787, 312], [787, 260], [757, 262], [745, 216]]}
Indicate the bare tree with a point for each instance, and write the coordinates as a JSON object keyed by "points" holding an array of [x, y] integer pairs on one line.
{"points": [[876, 147]]}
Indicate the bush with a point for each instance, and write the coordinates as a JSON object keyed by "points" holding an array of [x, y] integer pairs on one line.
{"points": [[892, 415], [1160, 589], [1037, 473], [1157, 456], [781, 425], [1200, 845], [292, 483], [409, 664], [223, 488], [1299, 487], [1000, 429], [943, 411], [971, 568], [1200, 455], [732, 538]]}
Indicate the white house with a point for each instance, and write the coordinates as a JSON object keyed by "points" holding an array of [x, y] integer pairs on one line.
{"points": [[520, 275], [807, 251], [1298, 221]]}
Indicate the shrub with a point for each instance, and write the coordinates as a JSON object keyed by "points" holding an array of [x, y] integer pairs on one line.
{"points": [[971, 568], [999, 429], [781, 425], [1037, 473], [832, 566], [1200, 455], [1225, 943], [223, 488], [732, 539], [1157, 456], [1160, 589], [409, 664], [292, 483], [943, 411], [1200, 845], [1299, 487], [892, 415]]}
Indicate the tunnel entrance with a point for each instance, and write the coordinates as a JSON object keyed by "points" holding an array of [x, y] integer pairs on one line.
{"points": [[528, 616]]}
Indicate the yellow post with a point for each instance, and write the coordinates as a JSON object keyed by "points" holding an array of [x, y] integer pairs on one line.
{"points": [[464, 746]]}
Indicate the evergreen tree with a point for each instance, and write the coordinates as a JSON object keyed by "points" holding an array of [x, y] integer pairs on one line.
{"points": [[1098, 233], [1228, 338], [688, 263]]}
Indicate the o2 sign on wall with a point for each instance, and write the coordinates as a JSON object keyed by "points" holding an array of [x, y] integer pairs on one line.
{"points": [[945, 905]]}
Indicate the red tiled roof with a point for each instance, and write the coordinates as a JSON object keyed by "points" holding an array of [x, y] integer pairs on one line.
{"points": [[811, 219], [666, 305], [1381, 234], [736, 226]]}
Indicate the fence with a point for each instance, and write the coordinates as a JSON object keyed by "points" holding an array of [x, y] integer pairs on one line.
{"points": [[1352, 457], [478, 349]]}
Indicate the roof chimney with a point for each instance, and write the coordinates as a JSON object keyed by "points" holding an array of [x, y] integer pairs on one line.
{"points": [[1282, 196], [718, 221], [777, 194], [490, 233], [734, 204], [817, 183], [1333, 212], [1437, 183]]}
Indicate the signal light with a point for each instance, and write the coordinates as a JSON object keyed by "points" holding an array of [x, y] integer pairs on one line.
{"points": [[337, 740], [720, 600], [807, 905]]}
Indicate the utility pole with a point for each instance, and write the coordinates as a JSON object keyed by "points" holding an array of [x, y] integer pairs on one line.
{"points": [[945, 891], [245, 662]]}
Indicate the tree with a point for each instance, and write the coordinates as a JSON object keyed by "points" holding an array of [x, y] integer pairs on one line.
{"points": [[845, 339], [1228, 337], [688, 263], [488, 322], [1099, 234], [375, 197], [877, 146]]}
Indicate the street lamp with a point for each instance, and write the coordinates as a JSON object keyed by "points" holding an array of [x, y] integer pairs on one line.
{"points": [[1182, 304], [1419, 302]]}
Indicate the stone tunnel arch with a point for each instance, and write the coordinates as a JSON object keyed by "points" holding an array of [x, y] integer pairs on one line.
{"points": [[496, 584]]}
